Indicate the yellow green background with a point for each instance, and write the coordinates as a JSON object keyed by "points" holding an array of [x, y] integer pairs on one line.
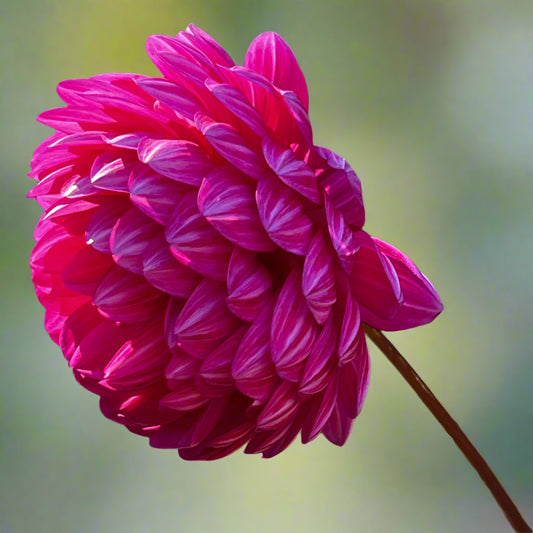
{"points": [[430, 102]]}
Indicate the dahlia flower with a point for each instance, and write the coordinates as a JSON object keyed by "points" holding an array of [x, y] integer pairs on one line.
{"points": [[202, 263]]}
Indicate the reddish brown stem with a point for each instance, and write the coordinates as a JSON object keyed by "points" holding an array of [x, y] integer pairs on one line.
{"points": [[452, 428]]}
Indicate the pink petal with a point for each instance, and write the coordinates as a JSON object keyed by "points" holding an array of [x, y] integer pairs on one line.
{"points": [[162, 270], [252, 368], [195, 243], [320, 365], [130, 237], [85, 270], [138, 362], [373, 280], [293, 329], [155, 195], [351, 334], [282, 215], [343, 188], [239, 105], [272, 57], [205, 321], [214, 378], [126, 297], [181, 367], [111, 172], [227, 200], [249, 285], [173, 95], [182, 161], [320, 411], [421, 303], [187, 398], [291, 170], [280, 408], [102, 222], [318, 280], [230, 144], [338, 426], [341, 235]]}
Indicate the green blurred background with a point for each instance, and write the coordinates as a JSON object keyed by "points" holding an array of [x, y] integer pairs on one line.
{"points": [[430, 102]]}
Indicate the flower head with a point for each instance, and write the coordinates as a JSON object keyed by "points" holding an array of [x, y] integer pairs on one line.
{"points": [[202, 263]]}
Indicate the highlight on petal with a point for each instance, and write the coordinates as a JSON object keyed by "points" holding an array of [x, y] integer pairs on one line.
{"points": [[272, 57], [282, 215], [318, 281], [293, 329], [179, 160], [249, 285], [227, 201]]}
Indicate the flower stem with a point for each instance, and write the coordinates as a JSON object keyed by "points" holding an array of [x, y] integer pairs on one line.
{"points": [[452, 428]]}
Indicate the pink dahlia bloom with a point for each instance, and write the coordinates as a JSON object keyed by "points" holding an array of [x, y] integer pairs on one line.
{"points": [[202, 263]]}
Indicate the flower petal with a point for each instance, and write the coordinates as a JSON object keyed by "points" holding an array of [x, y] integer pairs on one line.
{"points": [[249, 285], [227, 201], [291, 170], [293, 329], [179, 160], [318, 280], [421, 303], [272, 57], [282, 215], [204, 321]]}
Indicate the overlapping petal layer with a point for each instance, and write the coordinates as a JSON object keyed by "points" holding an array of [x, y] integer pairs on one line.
{"points": [[202, 264]]}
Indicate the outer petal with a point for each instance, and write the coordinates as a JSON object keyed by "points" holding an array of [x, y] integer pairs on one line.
{"points": [[421, 303], [272, 57]]}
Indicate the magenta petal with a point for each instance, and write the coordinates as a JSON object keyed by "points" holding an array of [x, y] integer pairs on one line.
{"points": [[293, 329], [343, 188], [230, 144], [138, 362], [173, 95], [179, 160], [292, 171], [165, 272], [351, 334], [102, 222], [195, 243], [227, 201], [318, 281], [111, 172], [319, 366], [341, 236], [85, 270], [338, 426], [186, 398], [252, 368], [238, 104], [181, 367], [249, 285], [130, 237], [155, 195], [214, 378], [282, 215], [271, 56], [204, 321], [126, 297], [373, 280], [280, 408], [421, 303], [319, 412]]}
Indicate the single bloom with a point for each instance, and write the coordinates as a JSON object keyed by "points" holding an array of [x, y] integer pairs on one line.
{"points": [[203, 265]]}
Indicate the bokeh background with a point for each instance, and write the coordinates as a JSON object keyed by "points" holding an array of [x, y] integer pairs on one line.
{"points": [[430, 102]]}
